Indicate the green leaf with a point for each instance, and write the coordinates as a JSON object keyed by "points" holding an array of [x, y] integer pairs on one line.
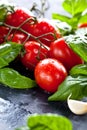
{"points": [[62, 18], [78, 43], [72, 21], [75, 6], [77, 86], [79, 70], [3, 12], [13, 79], [49, 122], [83, 18], [8, 52], [4, 9]]}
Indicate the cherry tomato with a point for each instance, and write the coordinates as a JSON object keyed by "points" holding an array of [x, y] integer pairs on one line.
{"points": [[46, 31], [33, 54], [82, 25], [17, 18], [61, 51], [21, 18], [3, 33], [17, 37], [40, 28], [49, 74]]}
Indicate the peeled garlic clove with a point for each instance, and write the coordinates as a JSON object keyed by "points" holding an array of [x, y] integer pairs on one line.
{"points": [[77, 107]]}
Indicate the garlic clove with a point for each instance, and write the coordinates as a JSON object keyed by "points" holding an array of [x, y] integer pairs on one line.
{"points": [[77, 107]]}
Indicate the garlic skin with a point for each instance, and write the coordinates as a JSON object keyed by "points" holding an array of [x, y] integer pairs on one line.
{"points": [[77, 107]]}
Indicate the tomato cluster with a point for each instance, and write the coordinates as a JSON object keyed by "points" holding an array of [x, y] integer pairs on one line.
{"points": [[45, 52]]}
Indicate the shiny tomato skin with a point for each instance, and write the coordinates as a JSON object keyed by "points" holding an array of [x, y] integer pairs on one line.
{"points": [[33, 54], [47, 32], [18, 18], [49, 74], [61, 51], [3, 33], [40, 28], [17, 37]]}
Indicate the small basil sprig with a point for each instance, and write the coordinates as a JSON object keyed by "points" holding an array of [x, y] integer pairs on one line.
{"points": [[13, 79], [75, 9], [8, 52], [47, 122]]}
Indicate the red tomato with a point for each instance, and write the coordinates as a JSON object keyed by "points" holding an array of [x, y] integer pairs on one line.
{"points": [[17, 18], [3, 33], [49, 74], [33, 54], [82, 25], [61, 51], [39, 28], [17, 37], [46, 31]]}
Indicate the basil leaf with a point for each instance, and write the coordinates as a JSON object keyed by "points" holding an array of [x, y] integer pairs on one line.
{"points": [[83, 18], [72, 21], [78, 44], [62, 18], [4, 9], [49, 122], [77, 86], [3, 12], [74, 6], [79, 70], [8, 52], [13, 79]]}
